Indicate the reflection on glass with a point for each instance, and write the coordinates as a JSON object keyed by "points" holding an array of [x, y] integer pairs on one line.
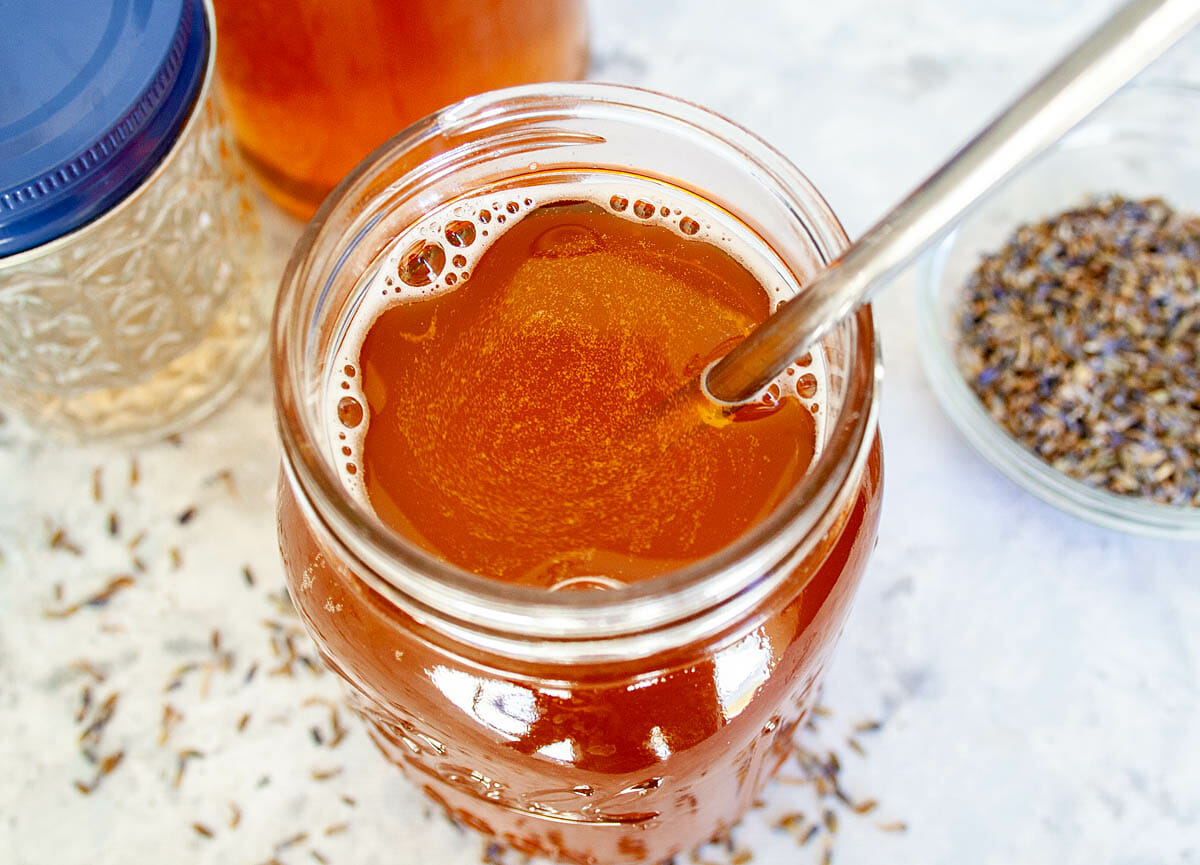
{"points": [[503, 707], [741, 669]]}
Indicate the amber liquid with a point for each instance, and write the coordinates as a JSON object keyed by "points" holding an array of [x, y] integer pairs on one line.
{"points": [[513, 427], [313, 86], [505, 429]]}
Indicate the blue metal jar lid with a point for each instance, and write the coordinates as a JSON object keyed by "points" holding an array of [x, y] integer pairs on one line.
{"points": [[93, 93]]}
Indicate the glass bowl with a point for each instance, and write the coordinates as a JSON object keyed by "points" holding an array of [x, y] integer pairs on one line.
{"points": [[1142, 143]]}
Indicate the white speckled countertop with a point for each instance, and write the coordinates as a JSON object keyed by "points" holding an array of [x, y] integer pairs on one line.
{"points": [[1038, 679]]}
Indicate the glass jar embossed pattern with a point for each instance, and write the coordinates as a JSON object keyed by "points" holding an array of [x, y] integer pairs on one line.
{"points": [[149, 315], [624, 725]]}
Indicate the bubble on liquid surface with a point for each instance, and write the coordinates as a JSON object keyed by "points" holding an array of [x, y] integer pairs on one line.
{"points": [[806, 386], [689, 226], [665, 211], [485, 217], [618, 203], [451, 279], [459, 261], [644, 209], [562, 241], [804, 359], [460, 233], [350, 412], [512, 207], [422, 263], [349, 370]]}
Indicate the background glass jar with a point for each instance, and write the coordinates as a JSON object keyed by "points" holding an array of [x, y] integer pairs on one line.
{"points": [[597, 726], [133, 291], [315, 86]]}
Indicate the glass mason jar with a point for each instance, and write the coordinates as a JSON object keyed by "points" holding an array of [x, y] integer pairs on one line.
{"points": [[315, 86], [146, 305], [613, 726]]}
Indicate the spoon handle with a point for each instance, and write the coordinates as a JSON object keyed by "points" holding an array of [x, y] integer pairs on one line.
{"points": [[1123, 45]]}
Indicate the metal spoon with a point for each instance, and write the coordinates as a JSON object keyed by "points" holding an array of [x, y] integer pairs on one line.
{"points": [[1139, 32]]}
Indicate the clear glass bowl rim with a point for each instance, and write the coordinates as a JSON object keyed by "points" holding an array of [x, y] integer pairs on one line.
{"points": [[989, 439]]}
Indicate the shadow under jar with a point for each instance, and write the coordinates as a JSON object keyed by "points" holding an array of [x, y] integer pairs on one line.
{"points": [[620, 725]]}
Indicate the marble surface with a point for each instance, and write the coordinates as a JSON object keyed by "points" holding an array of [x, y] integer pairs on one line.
{"points": [[1036, 677]]}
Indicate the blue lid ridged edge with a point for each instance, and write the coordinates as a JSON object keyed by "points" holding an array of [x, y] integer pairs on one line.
{"points": [[48, 201]]}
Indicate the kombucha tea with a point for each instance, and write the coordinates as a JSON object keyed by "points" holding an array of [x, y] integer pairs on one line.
{"points": [[494, 399], [313, 86], [506, 427]]}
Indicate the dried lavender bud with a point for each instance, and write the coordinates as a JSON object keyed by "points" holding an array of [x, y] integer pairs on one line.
{"points": [[1081, 337]]}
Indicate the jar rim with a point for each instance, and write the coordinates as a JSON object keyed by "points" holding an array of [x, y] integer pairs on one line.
{"points": [[490, 612]]}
